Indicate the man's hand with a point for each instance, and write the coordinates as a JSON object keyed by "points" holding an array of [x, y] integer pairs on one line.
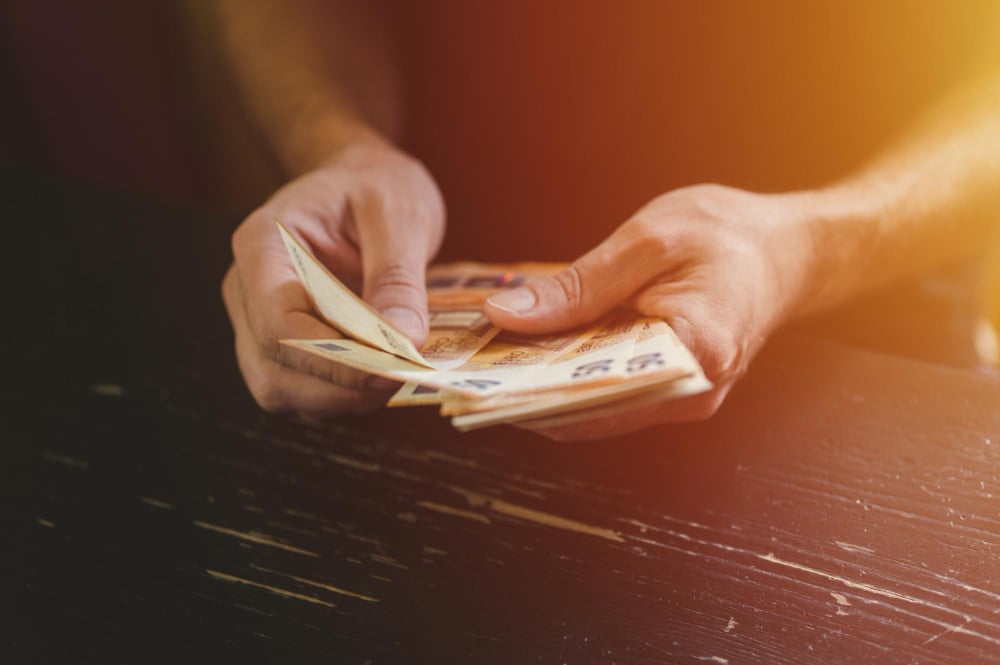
{"points": [[723, 267], [375, 218]]}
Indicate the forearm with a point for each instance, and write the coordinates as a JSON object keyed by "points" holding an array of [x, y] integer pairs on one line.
{"points": [[929, 200], [315, 74]]}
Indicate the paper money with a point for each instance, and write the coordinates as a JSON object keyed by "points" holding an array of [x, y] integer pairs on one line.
{"points": [[660, 365], [497, 368], [414, 394], [469, 284], [672, 390], [456, 332], [483, 376], [656, 356], [344, 310]]}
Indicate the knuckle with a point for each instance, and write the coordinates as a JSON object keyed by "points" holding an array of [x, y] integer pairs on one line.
{"points": [[238, 240], [707, 189], [268, 396], [680, 323], [396, 282], [270, 346], [228, 285], [246, 237], [398, 275], [721, 358], [718, 352], [705, 409], [722, 353], [416, 211], [649, 236], [414, 168], [416, 171], [570, 284]]}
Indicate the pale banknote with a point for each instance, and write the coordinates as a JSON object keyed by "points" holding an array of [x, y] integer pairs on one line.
{"points": [[500, 368], [414, 394], [456, 332], [656, 356], [344, 310], [672, 390], [517, 364], [659, 364], [458, 347], [469, 284], [456, 335], [460, 286], [477, 382], [655, 352], [484, 376]]}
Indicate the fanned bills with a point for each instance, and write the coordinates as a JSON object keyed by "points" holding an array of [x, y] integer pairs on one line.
{"points": [[480, 375]]}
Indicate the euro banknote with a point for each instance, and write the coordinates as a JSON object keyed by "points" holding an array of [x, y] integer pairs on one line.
{"points": [[480, 375]]}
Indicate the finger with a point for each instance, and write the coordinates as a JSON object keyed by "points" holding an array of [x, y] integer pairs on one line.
{"points": [[316, 208], [274, 379], [275, 306], [282, 317], [596, 283], [718, 338], [280, 388], [396, 244]]}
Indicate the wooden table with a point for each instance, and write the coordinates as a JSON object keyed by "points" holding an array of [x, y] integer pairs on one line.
{"points": [[844, 507]]}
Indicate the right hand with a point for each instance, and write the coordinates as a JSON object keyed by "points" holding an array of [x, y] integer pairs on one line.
{"points": [[375, 218]]}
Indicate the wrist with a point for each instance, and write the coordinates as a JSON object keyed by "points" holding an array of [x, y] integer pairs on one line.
{"points": [[313, 143], [840, 229]]}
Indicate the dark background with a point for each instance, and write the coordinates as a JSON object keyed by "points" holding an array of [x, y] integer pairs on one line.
{"points": [[546, 124], [841, 507]]}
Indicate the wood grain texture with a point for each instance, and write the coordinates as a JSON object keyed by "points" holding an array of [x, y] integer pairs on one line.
{"points": [[842, 508]]}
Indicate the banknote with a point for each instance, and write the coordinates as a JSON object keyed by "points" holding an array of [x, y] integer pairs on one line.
{"points": [[500, 367], [467, 283], [456, 335], [672, 390], [341, 308], [414, 394], [657, 355], [464, 285], [582, 356], [480, 375], [660, 364], [457, 331]]}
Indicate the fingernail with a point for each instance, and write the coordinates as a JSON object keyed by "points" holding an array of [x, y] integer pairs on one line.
{"points": [[406, 320], [516, 301], [380, 383]]}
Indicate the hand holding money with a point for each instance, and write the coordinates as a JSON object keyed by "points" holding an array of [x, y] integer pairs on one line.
{"points": [[481, 375], [723, 267], [374, 217]]}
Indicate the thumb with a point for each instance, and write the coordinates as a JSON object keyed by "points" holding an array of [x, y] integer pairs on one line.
{"points": [[596, 283], [394, 262]]}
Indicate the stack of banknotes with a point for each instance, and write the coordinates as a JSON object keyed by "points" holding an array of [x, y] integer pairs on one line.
{"points": [[480, 375]]}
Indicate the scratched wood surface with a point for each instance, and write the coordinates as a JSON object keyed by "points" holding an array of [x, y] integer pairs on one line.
{"points": [[843, 508]]}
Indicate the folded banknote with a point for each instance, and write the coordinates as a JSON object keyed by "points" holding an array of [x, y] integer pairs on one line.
{"points": [[480, 375]]}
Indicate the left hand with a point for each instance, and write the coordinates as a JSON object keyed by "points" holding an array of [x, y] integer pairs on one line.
{"points": [[724, 267]]}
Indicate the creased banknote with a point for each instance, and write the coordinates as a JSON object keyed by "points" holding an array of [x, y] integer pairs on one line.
{"points": [[456, 332], [483, 376]]}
